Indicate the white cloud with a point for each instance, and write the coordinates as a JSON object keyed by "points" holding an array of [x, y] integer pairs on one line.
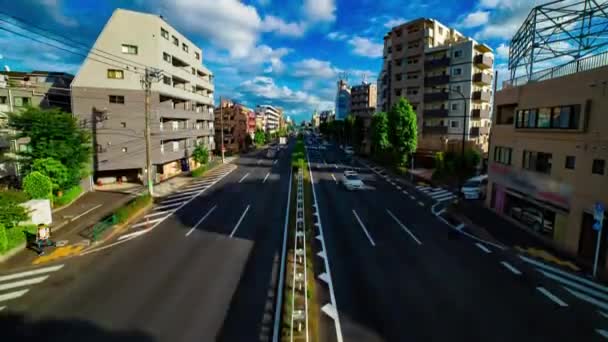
{"points": [[280, 27], [54, 9], [261, 57], [475, 19], [394, 22], [365, 47], [337, 36], [502, 51], [314, 68], [320, 10]]}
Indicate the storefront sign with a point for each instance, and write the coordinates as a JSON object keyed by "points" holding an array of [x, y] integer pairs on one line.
{"points": [[538, 186]]}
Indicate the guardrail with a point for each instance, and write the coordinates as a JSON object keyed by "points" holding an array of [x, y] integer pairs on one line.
{"points": [[102, 226], [299, 315]]}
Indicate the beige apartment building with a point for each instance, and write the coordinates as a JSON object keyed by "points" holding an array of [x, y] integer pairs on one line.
{"points": [[238, 122], [108, 93], [548, 155], [440, 71], [363, 101]]}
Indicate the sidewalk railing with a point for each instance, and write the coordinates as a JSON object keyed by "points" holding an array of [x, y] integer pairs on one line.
{"points": [[102, 226]]}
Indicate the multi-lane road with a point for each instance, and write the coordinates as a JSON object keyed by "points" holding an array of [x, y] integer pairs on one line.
{"points": [[208, 271]]}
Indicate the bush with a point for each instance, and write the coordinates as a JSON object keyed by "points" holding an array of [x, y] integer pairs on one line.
{"points": [[37, 185], [68, 196], [11, 213], [124, 213], [201, 154], [16, 236], [3, 239], [57, 172], [298, 156]]}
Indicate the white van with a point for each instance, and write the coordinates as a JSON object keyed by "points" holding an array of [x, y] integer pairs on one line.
{"points": [[475, 188]]}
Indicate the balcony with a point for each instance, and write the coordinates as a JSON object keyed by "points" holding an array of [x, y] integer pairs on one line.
{"points": [[482, 95], [437, 63], [482, 78], [435, 97], [436, 113], [436, 80], [477, 131], [435, 130], [480, 113], [205, 84], [483, 61]]}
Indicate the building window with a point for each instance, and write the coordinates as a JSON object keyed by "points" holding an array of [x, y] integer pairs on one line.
{"points": [[398, 62], [440, 30], [123, 124], [175, 40], [129, 49], [454, 106], [598, 166], [412, 91], [561, 117], [22, 101], [197, 55], [457, 53], [456, 71], [167, 80], [502, 155], [570, 162], [166, 57], [193, 71], [116, 74], [397, 92], [456, 88], [537, 161], [175, 146], [412, 76], [117, 99], [184, 47], [412, 60], [164, 33], [124, 149], [3, 99], [454, 124]]}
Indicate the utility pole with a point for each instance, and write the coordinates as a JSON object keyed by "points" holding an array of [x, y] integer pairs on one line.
{"points": [[222, 125], [148, 78]]}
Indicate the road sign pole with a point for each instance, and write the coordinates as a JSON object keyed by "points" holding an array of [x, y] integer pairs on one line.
{"points": [[597, 251], [598, 215]]}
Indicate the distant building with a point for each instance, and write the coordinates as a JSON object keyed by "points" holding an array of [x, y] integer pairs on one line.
{"points": [[315, 121], [260, 121], [327, 116], [237, 121], [44, 89], [272, 116], [342, 100], [111, 97]]}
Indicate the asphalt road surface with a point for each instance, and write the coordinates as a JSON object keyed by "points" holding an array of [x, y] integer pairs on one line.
{"points": [[215, 284], [400, 274]]}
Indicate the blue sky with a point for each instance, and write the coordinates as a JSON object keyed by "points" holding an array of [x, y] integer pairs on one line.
{"points": [[287, 53]]}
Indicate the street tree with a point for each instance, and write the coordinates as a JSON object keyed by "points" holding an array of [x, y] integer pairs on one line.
{"points": [[259, 137], [379, 133], [53, 134], [403, 130], [201, 154], [55, 170]]}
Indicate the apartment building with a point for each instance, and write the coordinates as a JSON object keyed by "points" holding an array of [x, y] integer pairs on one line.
{"points": [[342, 100], [260, 121], [272, 117], [441, 73], [237, 121], [18, 90], [549, 154], [363, 101], [109, 94]]}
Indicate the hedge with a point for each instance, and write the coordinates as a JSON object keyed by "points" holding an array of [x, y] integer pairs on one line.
{"points": [[125, 212], [200, 171], [298, 156], [68, 196], [16, 236]]}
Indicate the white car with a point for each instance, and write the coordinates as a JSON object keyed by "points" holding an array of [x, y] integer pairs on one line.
{"points": [[352, 181], [475, 188]]}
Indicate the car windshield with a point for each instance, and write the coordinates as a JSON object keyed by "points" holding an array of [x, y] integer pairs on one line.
{"points": [[471, 184], [352, 177]]}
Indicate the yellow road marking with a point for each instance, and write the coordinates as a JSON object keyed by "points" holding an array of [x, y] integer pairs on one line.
{"points": [[544, 255], [58, 253]]}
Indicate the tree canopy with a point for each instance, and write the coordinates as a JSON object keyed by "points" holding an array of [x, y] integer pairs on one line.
{"points": [[403, 129], [379, 133]]}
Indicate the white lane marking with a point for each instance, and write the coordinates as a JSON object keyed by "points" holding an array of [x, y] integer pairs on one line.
{"points": [[279, 302], [201, 220], [31, 273], [575, 285], [2, 308], [482, 247], [510, 268], [605, 315], [334, 177], [602, 332], [240, 220], [275, 161], [22, 283], [268, 174], [86, 212], [587, 298], [551, 296], [149, 221], [173, 201], [563, 273], [245, 176], [399, 187], [335, 166], [405, 192], [412, 197], [13, 295], [442, 197], [181, 195], [134, 234], [420, 203], [364, 229], [259, 161], [172, 205], [158, 213], [446, 198], [185, 191], [404, 227]]}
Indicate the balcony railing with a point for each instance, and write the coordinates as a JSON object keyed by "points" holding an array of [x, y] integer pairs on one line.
{"points": [[436, 80], [482, 95], [480, 113], [435, 129], [433, 97], [482, 78], [483, 61], [477, 131], [436, 113], [437, 63]]}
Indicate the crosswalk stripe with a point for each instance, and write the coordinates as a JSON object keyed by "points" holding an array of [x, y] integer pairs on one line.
{"points": [[22, 283], [443, 197], [157, 213], [446, 198], [563, 273], [172, 205], [13, 295], [587, 298], [578, 286], [439, 193], [179, 196], [173, 201], [148, 222], [31, 273]]}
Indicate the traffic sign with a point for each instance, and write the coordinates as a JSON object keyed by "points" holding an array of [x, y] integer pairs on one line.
{"points": [[598, 215]]}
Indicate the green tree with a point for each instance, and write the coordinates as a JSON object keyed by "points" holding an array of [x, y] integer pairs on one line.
{"points": [[358, 133], [324, 128], [403, 130], [201, 154], [267, 137], [349, 128], [11, 212], [53, 134], [379, 136], [37, 185], [259, 137], [57, 172]]}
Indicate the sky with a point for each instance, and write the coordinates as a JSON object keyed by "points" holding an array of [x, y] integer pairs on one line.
{"points": [[285, 53]]}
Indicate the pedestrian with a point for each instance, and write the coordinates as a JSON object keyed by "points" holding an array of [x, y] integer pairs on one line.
{"points": [[43, 238]]}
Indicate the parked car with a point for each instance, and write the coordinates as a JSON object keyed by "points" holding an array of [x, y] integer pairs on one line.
{"points": [[532, 216], [352, 181], [475, 188], [349, 150]]}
